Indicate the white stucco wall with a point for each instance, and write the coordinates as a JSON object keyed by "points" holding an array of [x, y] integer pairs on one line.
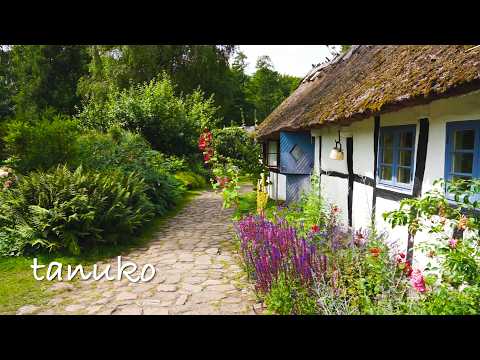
{"points": [[335, 189], [331, 188], [439, 112], [280, 181]]}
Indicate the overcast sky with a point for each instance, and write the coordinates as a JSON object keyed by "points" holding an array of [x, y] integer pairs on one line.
{"points": [[294, 60]]}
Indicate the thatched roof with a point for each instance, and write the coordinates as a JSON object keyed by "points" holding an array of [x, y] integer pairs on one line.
{"points": [[373, 79]]}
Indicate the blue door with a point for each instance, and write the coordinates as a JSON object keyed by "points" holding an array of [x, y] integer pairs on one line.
{"points": [[297, 151]]}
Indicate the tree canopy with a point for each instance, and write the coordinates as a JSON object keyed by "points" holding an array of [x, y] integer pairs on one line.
{"points": [[64, 79]]}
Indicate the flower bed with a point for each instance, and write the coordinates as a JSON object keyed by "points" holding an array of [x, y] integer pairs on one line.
{"points": [[305, 267]]}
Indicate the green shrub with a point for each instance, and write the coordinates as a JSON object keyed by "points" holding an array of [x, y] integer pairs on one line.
{"points": [[286, 297], [129, 153], [240, 147], [449, 301], [191, 180], [43, 144], [169, 122], [60, 209]]}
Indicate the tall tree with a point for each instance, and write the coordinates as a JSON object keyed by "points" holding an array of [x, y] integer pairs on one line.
{"points": [[242, 111], [46, 76], [266, 89], [189, 66], [6, 83]]}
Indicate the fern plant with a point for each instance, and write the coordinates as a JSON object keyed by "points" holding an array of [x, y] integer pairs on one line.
{"points": [[64, 210]]}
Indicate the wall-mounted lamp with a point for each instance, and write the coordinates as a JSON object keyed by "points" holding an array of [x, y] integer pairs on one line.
{"points": [[337, 153]]}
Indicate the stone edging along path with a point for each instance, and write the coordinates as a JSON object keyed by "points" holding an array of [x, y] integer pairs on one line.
{"points": [[197, 272]]}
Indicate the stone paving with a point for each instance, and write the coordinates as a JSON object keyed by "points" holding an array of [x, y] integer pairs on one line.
{"points": [[197, 272]]}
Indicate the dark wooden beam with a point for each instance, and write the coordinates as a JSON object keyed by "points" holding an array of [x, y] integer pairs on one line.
{"points": [[350, 179], [376, 134], [421, 157]]}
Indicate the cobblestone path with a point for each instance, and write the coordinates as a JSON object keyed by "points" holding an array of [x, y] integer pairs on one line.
{"points": [[197, 272]]}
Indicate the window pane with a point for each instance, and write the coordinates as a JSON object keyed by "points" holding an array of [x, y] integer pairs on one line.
{"points": [[387, 157], [387, 139], [405, 158], [272, 147], [404, 175], [272, 159], [463, 163], [406, 139], [464, 139], [386, 173]]}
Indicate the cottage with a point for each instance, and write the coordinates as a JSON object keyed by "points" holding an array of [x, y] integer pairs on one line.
{"points": [[378, 124]]}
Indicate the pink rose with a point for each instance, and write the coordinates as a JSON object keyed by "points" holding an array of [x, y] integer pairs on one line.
{"points": [[417, 281], [452, 243]]}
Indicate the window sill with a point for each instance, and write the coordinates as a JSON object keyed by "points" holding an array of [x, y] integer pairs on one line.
{"points": [[395, 189]]}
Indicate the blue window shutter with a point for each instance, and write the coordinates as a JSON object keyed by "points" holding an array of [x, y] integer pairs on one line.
{"points": [[303, 148]]}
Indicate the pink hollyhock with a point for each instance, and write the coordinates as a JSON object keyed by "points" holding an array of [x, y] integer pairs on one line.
{"points": [[417, 281], [452, 243]]}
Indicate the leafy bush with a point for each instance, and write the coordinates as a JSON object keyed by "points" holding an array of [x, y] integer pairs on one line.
{"points": [[129, 153], [452, 276], [170, 123], [42, 144], [60, 209], [289, 297], [191, 180], [239, 147]]}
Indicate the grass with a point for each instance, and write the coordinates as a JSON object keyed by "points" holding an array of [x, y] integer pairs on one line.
{"points": [[247, 204], [18, 286]]}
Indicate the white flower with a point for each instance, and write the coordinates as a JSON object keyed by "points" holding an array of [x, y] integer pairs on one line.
{"points": [[3, 173]]}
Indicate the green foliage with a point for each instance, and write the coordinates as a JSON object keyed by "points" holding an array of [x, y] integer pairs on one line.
{"points": [[41, 144], [46, 76], [64, 210], [169, 122], [226, 178], [6, 84], [240, 147], [266, 89], [447, 301], [189, 66], [286, 297], [191, 180], [128, 152], [453, 273], [312, 209]]}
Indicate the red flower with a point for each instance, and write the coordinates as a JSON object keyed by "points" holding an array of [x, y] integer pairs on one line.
{"points": [[202, 143], [204, 140], [315, 228], [335, 209], [207, 155], [407, 269], [375, 251]]}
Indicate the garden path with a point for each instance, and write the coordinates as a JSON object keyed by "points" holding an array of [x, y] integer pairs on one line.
{"points": [[197, 272]]}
